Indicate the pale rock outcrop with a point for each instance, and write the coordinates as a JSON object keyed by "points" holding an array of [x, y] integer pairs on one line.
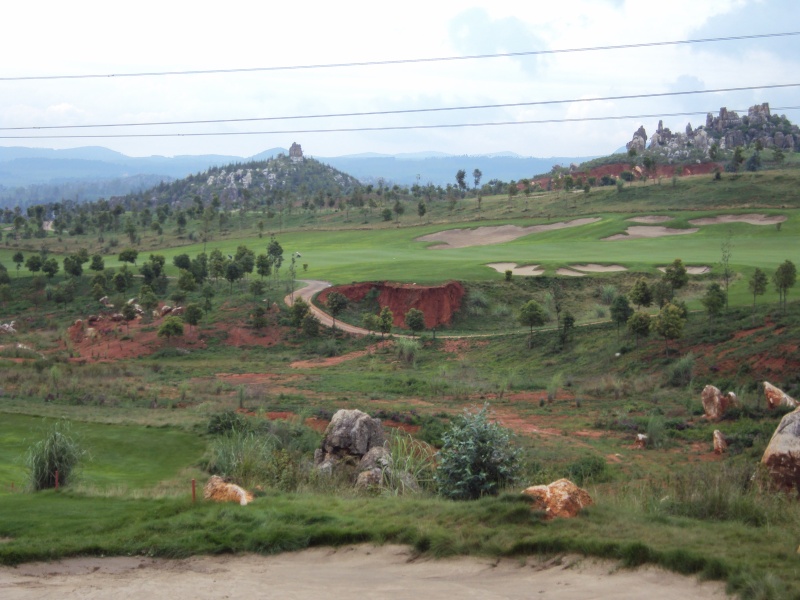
{"points": [[777, 397], [349, 436], [217, 490], [641, 441], [720, 443], [561, 498], [715, 403], [782, 456]]}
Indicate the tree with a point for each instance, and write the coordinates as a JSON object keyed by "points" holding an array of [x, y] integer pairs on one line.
{"points": [[785, 277], [259, 318], [676, 275], [714, 300], [311, 325], [557, 298], [385, 321], [398, 209], [778, 156], [757, 285], [639, 325], [370, 321], [263, 265], [207, 293], [50, 267], [476, 177], [34, 263], [186, 281], [128, 313], [257, 288], [421, 209], [182, 261], [97, 263], [233, 273], [148, 300], [129, 255], [415, 320], [246, 259], [336, 304], [662, 292], [461, 175], [567, 324], [299, 310], [72, 265], [669, 323], [532, 315], [620, 311], [726, 249], [172, 326], [18, 259], [477, 458], [737, 160]]}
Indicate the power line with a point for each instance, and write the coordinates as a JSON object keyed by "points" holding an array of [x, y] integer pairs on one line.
{"points": [[410, 110], [381, 128], [402, 61]]}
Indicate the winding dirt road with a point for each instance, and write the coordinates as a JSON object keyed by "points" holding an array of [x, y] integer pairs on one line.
{"points": [[313, 286]]}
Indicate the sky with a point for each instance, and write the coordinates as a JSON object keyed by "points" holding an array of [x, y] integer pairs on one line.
{"points": [[51, 38]]}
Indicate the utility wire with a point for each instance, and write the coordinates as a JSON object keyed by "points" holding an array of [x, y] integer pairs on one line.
{"points": [[381, 128], [403, 61], [408, 111]]}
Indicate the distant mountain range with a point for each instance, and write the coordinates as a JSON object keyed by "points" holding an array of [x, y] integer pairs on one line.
{"points": [[33, 175]]}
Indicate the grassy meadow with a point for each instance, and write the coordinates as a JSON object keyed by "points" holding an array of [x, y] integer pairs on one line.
{"points": [[143, 406]]}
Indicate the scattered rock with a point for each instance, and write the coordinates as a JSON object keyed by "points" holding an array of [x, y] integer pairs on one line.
{"points": [[377, 457], [370, 479], [350, 435], [777, 397], [641, 441], [720, 443], [782, 456], [561, 498], [715, 403], [217, 490]]}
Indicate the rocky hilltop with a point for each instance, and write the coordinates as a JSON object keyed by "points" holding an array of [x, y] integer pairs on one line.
{"points": [[725, 131]]}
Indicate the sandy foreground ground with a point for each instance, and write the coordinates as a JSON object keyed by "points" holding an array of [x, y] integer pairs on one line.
{"points": [[386, 572]]}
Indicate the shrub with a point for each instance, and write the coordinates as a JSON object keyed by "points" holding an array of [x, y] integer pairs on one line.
{"points": [[56, 451], [587, 469], [406, 350], [656, 432], [225, 422], [477, 458], [242, 457], [679, 373]]}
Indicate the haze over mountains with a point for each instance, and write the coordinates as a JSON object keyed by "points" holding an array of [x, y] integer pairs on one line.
{"points": [[88, 173]]}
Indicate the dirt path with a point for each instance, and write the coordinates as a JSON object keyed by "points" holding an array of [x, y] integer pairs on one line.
{"points": [[314, 286], [351, 572]]}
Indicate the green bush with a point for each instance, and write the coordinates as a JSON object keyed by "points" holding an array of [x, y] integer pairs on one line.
{"points": [[225, 422], [411, 465], [477, 458], [56, 451], [588, 469], [407, 350], [679, 373], [242, 456]]}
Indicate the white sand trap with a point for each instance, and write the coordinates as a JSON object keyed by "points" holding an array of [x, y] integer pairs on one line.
{"points": [[349, 572], [527, 270], [650, 219], [485, 236], [643, 231], [691, 270], [749, 219], [593, 268], [569, 273]]}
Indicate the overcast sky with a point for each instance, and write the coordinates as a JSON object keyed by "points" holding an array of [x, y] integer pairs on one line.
{"points": [[47, 38]]}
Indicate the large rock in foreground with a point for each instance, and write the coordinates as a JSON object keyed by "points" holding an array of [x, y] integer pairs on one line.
{"points": [[217, 490], [561, 498], [350, 435], [715, 403], [777, 397], [782, 456]]}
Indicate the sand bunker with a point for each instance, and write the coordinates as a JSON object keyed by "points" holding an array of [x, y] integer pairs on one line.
{"points": [[527, 270], [350, 572], [569, 273], [643, 231], [650, 219], [485, 236], [691, 270], [749, 219], [593, 268]]}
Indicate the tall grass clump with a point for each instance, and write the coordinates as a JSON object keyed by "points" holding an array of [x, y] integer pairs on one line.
{"points": [[406, 350], [656, 432], [58, 451], [679, 373], [477, 458], [607, 294], [477, 302], [553, 386], [410, 466], [242, 456]]}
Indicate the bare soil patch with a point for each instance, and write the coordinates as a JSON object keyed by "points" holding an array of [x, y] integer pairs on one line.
{"points": [[526, 271], [644, 231], [650, 219], [754, 219], [337, 360], [353, 571], [593, 268], [485, 236]]}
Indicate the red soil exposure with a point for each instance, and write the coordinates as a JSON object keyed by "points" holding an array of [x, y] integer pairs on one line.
{"points": [[438, 303], [661, 171], [335, 360]]}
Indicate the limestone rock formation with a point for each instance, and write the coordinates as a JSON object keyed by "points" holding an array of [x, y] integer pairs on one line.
{"points": [[720, 443], [639, 141], [219, 491], [561, 498], [350, 435], [782, 456], [777, 397], [715, 403]]}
